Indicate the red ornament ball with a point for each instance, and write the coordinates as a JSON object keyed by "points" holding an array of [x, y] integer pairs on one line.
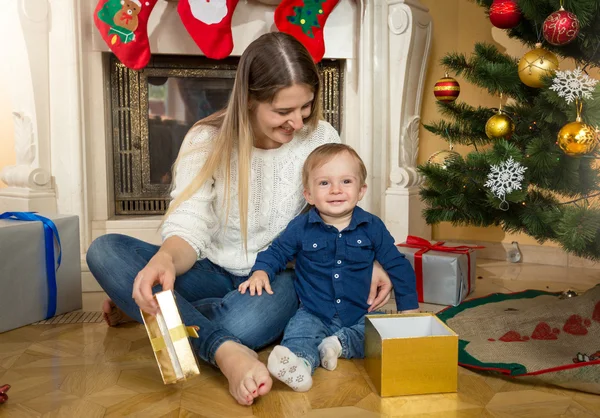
{"points": [[561, 27], [446, 89], [505, 14]]}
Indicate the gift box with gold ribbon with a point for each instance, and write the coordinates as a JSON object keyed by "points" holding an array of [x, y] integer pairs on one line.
{"points": [[169, 339], [445, 274]]}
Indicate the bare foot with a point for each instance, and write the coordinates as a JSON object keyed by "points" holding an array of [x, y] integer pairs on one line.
{"points": [[248, 377], [113, 315]]}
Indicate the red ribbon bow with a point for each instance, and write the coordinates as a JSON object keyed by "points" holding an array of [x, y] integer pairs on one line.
{"points": [[424, 246], [3, 395]]}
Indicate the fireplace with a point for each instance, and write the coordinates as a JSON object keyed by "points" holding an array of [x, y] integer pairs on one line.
{"points": [[61, 94], [152, 110]]}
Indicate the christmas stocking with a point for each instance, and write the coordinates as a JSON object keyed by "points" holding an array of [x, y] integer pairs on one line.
{"points": [[209, 24], [123, 26], [304, 20]]}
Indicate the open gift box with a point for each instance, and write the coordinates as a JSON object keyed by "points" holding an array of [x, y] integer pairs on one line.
{"points": [[169, 338], [410, 354]]}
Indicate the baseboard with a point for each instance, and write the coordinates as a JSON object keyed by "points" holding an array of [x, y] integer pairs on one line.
{"points": [[533, 254], [88, 283]]}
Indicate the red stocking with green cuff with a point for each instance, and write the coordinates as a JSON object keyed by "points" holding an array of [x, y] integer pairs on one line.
{"points": [[304, 20]]}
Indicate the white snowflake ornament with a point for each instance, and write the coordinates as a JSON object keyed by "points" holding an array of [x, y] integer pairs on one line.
{"points": [[573, 85], [504, 179]]}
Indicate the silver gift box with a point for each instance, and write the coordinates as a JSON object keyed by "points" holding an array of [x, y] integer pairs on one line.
{"points": [[23, 284], [446, 276]]}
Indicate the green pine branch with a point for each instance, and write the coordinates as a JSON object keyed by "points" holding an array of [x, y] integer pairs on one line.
{"points": [[491, 70]]}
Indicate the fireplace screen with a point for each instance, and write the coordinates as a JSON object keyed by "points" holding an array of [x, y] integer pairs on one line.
{"points": [[153, 109]]}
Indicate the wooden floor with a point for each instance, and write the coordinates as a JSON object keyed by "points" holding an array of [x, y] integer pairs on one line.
{"points": [[90, 370]]}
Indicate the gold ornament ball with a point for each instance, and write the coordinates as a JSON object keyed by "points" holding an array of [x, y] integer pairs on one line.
{"points": [[499, 126], [535, 64], [442, 158], [577, 138]]}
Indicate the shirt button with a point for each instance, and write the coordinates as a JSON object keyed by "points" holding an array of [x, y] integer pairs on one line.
{"points": [[340, 236], [337, 276], [315, 245], [339, 261], [358, 241], [338, 301]]}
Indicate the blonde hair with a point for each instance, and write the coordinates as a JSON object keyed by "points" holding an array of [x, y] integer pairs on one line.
{"points": [[272, 62], [324, 154]]}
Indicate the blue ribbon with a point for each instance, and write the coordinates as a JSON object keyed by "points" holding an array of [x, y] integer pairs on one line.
{"points": [[50, 233]]}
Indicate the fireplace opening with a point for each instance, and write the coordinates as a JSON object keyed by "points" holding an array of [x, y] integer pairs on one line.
{"points": [[152, 109]]}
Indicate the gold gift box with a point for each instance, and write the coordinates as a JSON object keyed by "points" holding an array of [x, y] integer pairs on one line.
{"points": [[169, 339], [410, 354]]}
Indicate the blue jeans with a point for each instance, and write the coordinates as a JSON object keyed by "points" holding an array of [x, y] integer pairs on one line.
{"points": [[305, 331], [206, 296]]}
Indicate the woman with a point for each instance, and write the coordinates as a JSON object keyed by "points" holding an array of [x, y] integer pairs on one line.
{"points": [[237, 184]]}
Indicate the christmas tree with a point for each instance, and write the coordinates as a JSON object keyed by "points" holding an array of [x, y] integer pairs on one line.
{"points": [[306, 16], [532, 167]]}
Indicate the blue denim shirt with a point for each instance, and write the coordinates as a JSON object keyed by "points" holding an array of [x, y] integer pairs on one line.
{"points": [[334, 268]]}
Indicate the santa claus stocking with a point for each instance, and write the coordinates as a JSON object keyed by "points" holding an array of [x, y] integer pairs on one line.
{"points": [[304, 20], [209, 24], [123, 25]]}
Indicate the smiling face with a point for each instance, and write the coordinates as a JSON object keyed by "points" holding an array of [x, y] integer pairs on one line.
{"points": [[335, 188], [275, 123]]}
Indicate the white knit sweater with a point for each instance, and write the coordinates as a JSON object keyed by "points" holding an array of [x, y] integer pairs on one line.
{"points": [[275, 198]]}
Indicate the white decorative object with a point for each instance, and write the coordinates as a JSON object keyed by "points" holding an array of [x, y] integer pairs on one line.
{"points": [[24, 173], [514, 255], [24, 141], [573, 85], [406, 174], [504, 179], [29, 182], [209, 11], [399, 49]]}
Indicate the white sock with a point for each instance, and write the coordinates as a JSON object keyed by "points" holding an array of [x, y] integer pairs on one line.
{"points": [[292, 370], [330, 350]]}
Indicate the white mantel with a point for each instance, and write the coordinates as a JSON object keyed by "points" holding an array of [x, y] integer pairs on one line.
{"points": [[58, 84]]}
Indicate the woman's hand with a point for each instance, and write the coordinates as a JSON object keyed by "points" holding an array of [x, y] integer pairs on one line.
{"points": [[381, 288], [159, 270], [256, 283]]}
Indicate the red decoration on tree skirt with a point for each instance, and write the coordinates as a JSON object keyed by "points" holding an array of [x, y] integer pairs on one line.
{"points": [[543, 332], [512, 336], [596, 314], [561, 27], [3, 395], [446, 89], [505, 14], [575, 326]]}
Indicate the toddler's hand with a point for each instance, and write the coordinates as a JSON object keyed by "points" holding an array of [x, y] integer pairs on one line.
{"points": [[256, 283]]}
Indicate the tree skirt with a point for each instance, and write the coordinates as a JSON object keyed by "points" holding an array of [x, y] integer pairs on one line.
{"points": [[533, 335]]}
